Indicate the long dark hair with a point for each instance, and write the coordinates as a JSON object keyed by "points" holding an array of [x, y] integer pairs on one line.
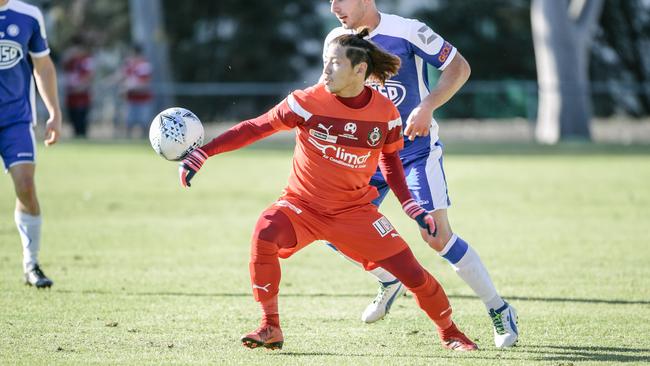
{"points": [[381, 64]]}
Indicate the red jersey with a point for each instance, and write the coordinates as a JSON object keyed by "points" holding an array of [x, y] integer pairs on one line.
{"points": [[78, 72], [337, 147], [137, 78]]}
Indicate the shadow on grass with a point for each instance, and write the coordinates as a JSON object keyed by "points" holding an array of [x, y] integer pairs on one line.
{"points": [[340, 295], [586, 353], [480, 355], [564, 299], [532, 353]]}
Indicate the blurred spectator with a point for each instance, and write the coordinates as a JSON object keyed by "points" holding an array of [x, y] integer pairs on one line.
{"points": [[77, 75], [136, 76]]}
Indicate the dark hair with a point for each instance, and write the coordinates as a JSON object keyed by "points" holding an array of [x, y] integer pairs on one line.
{"points": [[381, 64]]}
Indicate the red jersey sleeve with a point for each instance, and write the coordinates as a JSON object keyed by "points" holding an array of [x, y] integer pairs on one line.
{"points": [[395, 139], [247, 132], [287, 115], [393, 171]]}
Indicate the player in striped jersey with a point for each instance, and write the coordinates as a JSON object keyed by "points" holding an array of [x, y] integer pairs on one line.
{"points": [[24, 52], [418, 45], [344, 131]]}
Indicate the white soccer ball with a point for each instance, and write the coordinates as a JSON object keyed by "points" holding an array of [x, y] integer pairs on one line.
{"points": [[175, 132]]}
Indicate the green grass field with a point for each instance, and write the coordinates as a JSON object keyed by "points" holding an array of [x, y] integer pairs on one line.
{"points": [[148, 273]]}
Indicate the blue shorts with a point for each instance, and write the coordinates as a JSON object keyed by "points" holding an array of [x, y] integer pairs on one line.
{"points": [[17, 144], [425, 178]]}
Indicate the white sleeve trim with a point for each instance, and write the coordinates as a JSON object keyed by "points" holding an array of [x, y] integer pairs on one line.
{"points": [[297, 108], [394, 123], [40, 54]]}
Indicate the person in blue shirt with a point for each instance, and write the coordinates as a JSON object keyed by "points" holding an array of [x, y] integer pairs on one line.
{"points": [[418, 45], [24, 64]]}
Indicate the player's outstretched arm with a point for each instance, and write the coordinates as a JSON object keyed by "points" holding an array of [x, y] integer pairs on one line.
{"points": [[45, 76], [238, 136]]}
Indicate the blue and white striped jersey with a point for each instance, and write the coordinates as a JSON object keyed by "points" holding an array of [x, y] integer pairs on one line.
{"points": [[416, 45], [22, 35]]}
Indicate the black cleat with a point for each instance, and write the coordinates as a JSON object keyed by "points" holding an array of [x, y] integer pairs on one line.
{"points": [[35, 277]]}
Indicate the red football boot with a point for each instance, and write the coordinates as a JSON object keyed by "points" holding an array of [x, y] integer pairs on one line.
{"points": [[268, 336], [452, 338]]}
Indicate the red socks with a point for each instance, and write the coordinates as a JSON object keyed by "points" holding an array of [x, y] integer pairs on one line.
{"points": [[271, 315]]}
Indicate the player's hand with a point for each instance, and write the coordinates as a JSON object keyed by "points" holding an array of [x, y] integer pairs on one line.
{"points": [[418, 123], [52, 130], [191, 165], [421, 216]]}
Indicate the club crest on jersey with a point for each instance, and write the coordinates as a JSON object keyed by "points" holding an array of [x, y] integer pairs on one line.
{"points": [[10, 54], [393, 90], [374, 136], [13, 30]]}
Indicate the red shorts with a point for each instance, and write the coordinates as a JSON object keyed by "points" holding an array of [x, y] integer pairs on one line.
{"points": [[363, 233]]}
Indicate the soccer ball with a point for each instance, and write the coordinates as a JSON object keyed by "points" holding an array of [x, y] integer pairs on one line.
{"points": [[175, 132]]}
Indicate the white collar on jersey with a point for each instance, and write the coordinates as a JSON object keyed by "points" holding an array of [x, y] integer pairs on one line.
{"points": [[378, 27]]}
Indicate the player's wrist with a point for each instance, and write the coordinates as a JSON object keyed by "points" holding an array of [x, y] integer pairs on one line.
{"points": [[412, 208], [195, 159]]}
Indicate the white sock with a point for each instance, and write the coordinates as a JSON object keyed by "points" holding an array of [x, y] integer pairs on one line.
{"points": [[379, 273], [468, 266], [29, 228], [383, 275]]}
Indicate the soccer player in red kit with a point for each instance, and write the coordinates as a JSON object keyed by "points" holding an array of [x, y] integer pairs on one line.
{"points": [[344, 130]]}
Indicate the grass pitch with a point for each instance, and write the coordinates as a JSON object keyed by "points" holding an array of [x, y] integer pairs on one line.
{"points": [[148, 273]]}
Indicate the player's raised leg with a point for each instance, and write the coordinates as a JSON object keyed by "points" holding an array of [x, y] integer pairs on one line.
{"points": [[28, 222], [431, 298]]}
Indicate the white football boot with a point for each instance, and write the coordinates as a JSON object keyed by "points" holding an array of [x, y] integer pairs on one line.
{"points": [[504, 320], [388, 292]]}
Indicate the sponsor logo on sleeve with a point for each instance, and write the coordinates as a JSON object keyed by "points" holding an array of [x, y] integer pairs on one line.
{"points": [[444, 52]]}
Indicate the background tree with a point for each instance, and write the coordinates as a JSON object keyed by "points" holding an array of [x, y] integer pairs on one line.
{"points": [[495, 38], [562, 34], [621, 61], [241, 41]]}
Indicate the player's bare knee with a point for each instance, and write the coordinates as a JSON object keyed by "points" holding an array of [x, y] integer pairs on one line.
{"points": [[441, 239], [25, 187]]}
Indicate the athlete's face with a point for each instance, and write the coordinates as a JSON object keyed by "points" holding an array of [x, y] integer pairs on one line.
{"points": [[339, 76], [349, 12]]}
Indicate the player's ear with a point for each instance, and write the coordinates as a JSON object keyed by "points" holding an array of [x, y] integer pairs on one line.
{"points": [[361, 69]]}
